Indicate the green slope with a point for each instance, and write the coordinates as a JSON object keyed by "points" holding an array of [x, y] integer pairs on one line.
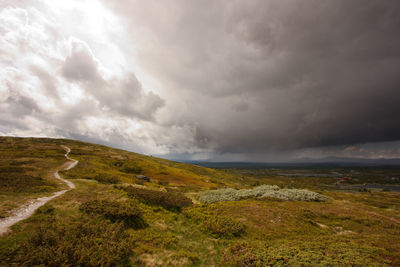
{"points": [[113, 218]]}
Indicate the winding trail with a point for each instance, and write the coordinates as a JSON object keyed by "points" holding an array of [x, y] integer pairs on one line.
{"points": [[26, 210]]}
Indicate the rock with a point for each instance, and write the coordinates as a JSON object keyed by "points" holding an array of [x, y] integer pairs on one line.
{"points": [[144, 178]]}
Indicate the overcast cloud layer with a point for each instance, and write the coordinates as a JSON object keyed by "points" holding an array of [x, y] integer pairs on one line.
{"points": [[226, 80]]}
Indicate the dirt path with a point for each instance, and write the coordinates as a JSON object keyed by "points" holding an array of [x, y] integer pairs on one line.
{"points": [[27, 210]]}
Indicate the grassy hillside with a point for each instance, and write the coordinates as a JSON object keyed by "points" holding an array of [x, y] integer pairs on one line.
{"points": [[114, 165], [114, 218], [26, 167]]}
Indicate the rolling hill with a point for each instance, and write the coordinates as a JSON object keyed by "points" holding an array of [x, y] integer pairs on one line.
{"points": [[183, 216]]}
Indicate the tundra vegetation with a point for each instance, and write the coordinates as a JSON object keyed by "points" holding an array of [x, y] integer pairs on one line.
{"points": [[169, 200], [189, 215], [263, 191]]}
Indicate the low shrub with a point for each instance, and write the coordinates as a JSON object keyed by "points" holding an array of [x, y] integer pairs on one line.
{"points": [[118, 164], [263, 191], [131, 167], [107, 179], [139, 182], [306, 253], [217, 224], [46, 209], [16, 169], [295, 195], [84, 243], [168, 200], [163, 183], [17, 182], [115, 211]]}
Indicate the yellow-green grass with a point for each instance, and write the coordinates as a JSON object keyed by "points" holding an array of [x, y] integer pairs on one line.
{"points": [[169, 237], [344, 227], [27, 166], [101, 161], [349, 229]]}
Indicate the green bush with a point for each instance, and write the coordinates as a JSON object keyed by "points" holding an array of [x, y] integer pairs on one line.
{"points": [[17, 182], [131, 167], [217, 224], [107, 179], [264, 191], [168, 200], [46, 209], [115, 211], [84, 243], [223, 226]]}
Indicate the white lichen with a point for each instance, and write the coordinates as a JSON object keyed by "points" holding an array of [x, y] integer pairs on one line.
{"points": [[263, 191]]}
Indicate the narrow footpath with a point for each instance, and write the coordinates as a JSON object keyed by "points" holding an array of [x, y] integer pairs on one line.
{"points": [[26, 210]]}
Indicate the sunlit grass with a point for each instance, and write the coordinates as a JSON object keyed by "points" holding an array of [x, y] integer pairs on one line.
{"points": [[349, 229]]}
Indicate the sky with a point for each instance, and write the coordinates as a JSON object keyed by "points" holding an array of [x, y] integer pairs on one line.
{"points": [[262, 80]]}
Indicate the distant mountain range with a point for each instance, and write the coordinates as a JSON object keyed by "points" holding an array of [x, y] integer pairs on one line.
{"points": [[328, 162]]}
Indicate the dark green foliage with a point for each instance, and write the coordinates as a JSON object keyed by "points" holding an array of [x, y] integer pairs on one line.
{"points": [[46, 209], [217, 224], [83, 243], [118, 164], [115, 211], [131, 167], [223, 226], [163, 183], [168, 200], [106, 178], [18, 182], [13, 168]]}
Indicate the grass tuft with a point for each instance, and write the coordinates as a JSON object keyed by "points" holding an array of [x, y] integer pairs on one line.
{"points": [[169, 200], [217, 224], [115, 211], [83, 243]]}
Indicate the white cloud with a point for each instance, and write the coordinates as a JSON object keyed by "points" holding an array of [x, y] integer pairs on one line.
{"points": [[55, 84], [214, 80]]}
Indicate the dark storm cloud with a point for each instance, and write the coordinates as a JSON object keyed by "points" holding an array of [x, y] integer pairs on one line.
{"points": [[217, 79], [312, 73]]}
